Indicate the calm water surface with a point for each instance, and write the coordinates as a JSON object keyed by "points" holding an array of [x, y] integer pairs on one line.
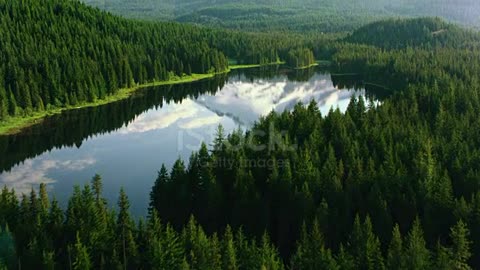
{"points": [[126, 142]]}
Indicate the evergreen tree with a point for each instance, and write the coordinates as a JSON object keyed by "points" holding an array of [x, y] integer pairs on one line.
{"points": [[395, 258], [461, 246], [7, 248], [126, 242], [82, 258], [3, 102], [417, 256], [229, 256]]}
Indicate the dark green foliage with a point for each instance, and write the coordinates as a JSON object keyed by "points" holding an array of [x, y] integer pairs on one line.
{"points": [[7, 248], [395, 256], [85, 54], [82, 258], [299, 58], [417, 255], [461, 246], [411, 160], [423, 32], [60, 53], [286, 15], [124, 244]]}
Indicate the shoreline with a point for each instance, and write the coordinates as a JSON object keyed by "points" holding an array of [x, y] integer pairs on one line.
{"points": [[14, 125], [306, 67]]}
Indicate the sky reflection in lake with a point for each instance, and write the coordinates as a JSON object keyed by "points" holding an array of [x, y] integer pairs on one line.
{"points": [[130, 155]]}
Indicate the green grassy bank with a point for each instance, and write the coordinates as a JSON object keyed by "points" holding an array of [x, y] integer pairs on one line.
{"points": [[15, 124]]}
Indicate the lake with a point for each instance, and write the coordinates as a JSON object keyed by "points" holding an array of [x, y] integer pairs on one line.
{"points": [[126, 142]]}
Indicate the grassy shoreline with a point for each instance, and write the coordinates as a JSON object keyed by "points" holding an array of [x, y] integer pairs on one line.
{"points": [[232, 67], [306, 67], [13, 125]]}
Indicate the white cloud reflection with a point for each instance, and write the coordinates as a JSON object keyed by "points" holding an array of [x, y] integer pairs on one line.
{"points": [[162, 118], [201, 122], [243, 102], [32, 173], [187, 115]]}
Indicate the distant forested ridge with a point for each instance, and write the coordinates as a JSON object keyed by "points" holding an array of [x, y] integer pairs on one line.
{"points": [[286, 15], [428, 33]]}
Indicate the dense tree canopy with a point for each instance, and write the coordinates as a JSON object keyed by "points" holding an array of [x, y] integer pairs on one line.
{"points": [[60, 53], [57, 53], [286, 15], [394, 185], [407, 166], [89, 236], [298, 58], [423, 32]]}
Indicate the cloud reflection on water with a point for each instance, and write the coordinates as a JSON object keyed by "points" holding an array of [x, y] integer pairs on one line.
{"points": [[33, 172], [243, 102]]}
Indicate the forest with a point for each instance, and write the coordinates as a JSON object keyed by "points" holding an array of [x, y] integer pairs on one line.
{"points": [[406, 169], [389, 185], [314, 16], [423, 32], [64, 53], [61, 53], [300, 58]]}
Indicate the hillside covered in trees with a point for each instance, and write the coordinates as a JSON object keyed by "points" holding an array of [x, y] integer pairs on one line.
{"points": [[390, 185], [405, 169], [59, 53], [299, 15], [428, 33]]}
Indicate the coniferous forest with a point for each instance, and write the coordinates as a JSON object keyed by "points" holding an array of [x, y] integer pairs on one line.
{"points": [[58, 53], [61, 53], [393, 184]]}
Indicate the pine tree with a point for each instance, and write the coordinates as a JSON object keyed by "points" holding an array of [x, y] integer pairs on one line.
{"points": [[126, 242], [311, 252], [461, 246], [26, 99], [97, 188], [269, 256], [44, 201], [12, 104], [443, 259], [157, 194], [356, 241], [167, 252], [417, 256], [229, 257], [3, 102], [395, 258], [7, 247], [82, 258], [373, 254], [55, 223], [218, 143], [345, 260], [215, 253]]}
